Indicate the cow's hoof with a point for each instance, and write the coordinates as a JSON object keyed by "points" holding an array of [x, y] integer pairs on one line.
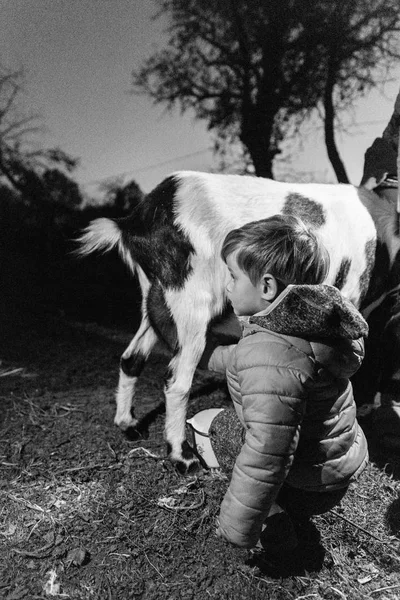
{"points": [[131, 428], [186, 462], [187, 467], [125, 423]]}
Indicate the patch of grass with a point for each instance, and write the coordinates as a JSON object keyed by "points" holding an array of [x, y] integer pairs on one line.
{"points": [[86, 513]]}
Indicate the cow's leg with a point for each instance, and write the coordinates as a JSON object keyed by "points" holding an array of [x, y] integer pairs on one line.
{"points": [[366, 380], [192, 311], [387, 416], [132, 362], [177, 389]]}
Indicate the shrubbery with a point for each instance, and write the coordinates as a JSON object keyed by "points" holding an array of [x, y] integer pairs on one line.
{"points": [[36, 242]]}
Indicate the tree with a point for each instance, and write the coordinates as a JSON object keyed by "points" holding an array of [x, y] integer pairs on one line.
{"points": [[22, 162], [61, 189], [360, 45], [122, 197], [255, 70], [128, 196]]}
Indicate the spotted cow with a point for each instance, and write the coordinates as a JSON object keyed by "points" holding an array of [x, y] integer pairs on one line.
{"points": [[172, 242]]}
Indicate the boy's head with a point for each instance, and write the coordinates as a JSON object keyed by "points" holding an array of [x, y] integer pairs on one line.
{"points": [[263, 257]]}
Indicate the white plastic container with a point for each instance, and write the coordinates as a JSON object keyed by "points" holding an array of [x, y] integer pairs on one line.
{"points": [[200, 425]]}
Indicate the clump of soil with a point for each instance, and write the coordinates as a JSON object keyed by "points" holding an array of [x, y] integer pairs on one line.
{"points": [[86, 513]]}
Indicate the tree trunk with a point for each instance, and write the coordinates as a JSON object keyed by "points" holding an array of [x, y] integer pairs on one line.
{"points": [[257, 139], [262, 158], [333, 153]]}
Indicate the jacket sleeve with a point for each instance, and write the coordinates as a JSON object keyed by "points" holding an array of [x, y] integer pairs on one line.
{"points": [[220, 358], [273, 400]]}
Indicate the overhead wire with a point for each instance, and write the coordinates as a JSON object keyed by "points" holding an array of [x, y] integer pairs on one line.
{"points": [[147, 168], [135, 171]]}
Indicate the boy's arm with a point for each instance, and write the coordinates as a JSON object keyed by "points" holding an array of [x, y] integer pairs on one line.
{"points": [[216, 358], [273, 400]]}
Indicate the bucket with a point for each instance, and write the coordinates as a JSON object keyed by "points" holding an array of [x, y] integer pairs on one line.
{"points": [[200, 425]]}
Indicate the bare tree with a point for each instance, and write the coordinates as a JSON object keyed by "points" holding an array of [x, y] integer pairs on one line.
{"points": [[361, 45], [22, 162], [255, 70]]}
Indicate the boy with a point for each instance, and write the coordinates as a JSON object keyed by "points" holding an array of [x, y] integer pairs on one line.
{"points": [[297, 440]]}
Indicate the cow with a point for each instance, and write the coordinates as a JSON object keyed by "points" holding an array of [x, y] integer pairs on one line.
{"points": [[377, 383], [172, 242]]}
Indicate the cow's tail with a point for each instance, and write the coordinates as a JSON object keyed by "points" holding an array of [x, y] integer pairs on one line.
{"points": [[102, 235]]}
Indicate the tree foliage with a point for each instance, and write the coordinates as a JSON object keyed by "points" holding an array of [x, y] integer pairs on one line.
{"points": [[61, 189], [30, 169], [122, 197], [255, 70]]}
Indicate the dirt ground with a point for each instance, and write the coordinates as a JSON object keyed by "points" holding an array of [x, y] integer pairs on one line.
{"points": [[86, 513]]}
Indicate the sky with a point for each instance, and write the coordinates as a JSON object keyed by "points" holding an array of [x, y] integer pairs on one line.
{"points": [[78, 56]]}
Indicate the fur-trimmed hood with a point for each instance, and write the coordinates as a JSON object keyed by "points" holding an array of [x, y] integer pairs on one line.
{"points": [[316, 316], [311, 311]]}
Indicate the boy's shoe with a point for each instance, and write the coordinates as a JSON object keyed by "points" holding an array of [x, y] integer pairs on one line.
{"points": [[278, 536]]}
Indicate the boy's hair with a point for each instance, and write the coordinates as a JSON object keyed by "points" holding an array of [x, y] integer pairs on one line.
{"points": [[281, 245]]}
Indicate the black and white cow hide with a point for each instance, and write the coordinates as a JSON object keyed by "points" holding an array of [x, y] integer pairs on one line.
{"points": [[172, 242]]}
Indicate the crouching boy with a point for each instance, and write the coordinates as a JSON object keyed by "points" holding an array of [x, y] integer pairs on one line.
{"points": [[293, 444]]}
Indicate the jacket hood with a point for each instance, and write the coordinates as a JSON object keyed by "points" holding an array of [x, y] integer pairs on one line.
{"points": [[320, 318], [311, 311]]}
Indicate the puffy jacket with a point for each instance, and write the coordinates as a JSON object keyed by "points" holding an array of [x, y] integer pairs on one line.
{"points": [[288, 377]]}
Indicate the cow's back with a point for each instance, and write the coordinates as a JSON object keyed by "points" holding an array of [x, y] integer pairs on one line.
{"points": [[208, 206]]}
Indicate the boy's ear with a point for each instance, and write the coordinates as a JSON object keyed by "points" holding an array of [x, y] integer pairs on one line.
{"points": [[270, 287]]}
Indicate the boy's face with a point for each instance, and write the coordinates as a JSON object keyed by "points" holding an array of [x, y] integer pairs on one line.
{"points": [[246, 298]]}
